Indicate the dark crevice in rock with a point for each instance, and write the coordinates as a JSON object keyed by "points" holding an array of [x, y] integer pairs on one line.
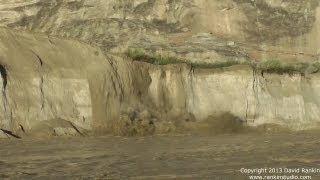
{"points": [[4, 76], [38, 57], [75, 128], [42, 93], [22, 128], [41, 80], [10, 133], [40, 60]]}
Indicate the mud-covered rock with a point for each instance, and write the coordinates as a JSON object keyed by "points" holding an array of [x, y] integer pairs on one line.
{"points": [[127, 126]]}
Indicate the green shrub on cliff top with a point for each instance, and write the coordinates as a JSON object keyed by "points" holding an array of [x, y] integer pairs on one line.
{"points": [[158, 59], [271, 66], [227, 63], [276, 66]]}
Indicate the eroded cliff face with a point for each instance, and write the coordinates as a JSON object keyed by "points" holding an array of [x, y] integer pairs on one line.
{"points": [[202, 30], [67, 75], [53, 80], [289, 100]]}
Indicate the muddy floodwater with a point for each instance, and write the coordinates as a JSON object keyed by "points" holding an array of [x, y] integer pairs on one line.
{"points": [[160, 157]]}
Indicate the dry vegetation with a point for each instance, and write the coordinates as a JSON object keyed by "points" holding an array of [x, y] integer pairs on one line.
{"points": [[271, 66]]}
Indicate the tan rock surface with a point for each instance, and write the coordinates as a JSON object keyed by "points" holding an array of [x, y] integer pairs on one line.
{"points": [[43, 79], [260, 29], [61, 76]]}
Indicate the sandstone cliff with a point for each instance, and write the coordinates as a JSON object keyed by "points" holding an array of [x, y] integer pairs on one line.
{"points": [[63, 71], [259, 29]]}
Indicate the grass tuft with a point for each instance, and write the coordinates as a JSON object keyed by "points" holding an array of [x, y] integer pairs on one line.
{"points": [[157, 59], [275, 66], [270, 66], [228, 63]]}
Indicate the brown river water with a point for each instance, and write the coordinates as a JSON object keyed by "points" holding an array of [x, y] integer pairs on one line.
{"points": [[162, 157]]}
